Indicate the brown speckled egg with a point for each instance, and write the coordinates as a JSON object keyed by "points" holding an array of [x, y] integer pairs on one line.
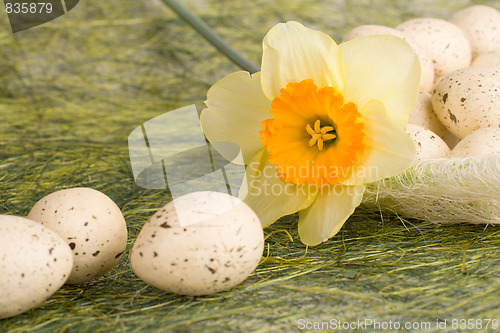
{"points": [[468, 99], [92, 225], [423, 115], [481, 26], [198, 244], [429, 144], [444, 43], [427, 67], [481, 142], [34, 263]]}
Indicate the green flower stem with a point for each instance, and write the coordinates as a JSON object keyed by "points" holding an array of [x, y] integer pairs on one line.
{"points": [[211, 36]]}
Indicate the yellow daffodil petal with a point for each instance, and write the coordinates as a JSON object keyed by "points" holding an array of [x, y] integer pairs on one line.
{"points": [[389, 150], [292, 53], [332, 207], [382, 67], [236, 107], [267, 195]]}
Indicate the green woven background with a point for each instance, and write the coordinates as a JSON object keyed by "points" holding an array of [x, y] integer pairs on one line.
{"points": [[73, 89]]}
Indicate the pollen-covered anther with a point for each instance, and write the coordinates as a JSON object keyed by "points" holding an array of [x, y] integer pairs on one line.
{"points": [[320, 134]]}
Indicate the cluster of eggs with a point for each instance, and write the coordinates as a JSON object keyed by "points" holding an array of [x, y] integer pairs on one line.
{"points": [[69, 237], [457, 113], [200, 243]]}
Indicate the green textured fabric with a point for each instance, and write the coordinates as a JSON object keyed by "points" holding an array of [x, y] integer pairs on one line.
{"points": [[72, 90]]}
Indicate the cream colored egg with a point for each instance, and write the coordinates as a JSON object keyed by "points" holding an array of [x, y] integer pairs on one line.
{"points": [[491, 59], [437, 79], [444, 43], [427, 67], [92, 225], [198, 244], [481, 26], [468, 99], [34, 263], [481, 142], [423, 115], [429, 144]]}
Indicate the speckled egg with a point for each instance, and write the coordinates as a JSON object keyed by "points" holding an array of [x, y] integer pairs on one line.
{"points": [[427, 70], [423, 115], [444, 43], [198, 244], [429, 144], [468, 99], [481, 26], [437, 79], [481, 142], [491, 59], [34, 263], [92, 225]]}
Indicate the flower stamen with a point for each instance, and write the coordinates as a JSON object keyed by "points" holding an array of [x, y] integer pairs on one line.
{"points": [[329, 147], [319, 134]]}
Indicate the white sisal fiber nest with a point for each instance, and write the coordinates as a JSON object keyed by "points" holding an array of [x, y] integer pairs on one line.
{"points": [[451, 190]]}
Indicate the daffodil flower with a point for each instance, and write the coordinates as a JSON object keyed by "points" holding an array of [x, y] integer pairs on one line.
{"points": [[317, 123]]}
